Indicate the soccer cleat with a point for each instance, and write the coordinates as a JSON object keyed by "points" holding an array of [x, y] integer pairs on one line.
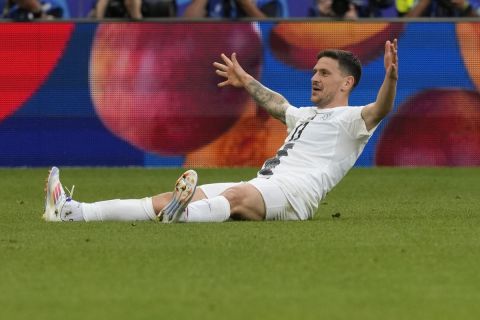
{"points": [[55, 197], [182, 195]]}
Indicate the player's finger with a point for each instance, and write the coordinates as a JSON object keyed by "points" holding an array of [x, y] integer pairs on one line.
{"points": [[221, 73], [395, 43], [234, 58], [220, 66], [222, 84], [387, 46], [228, 62]]}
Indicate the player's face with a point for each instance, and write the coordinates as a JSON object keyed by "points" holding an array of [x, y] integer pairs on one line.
{"points": [[327, 82]]}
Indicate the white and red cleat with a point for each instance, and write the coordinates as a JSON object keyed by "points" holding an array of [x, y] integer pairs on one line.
{"points": [[55, 197]]}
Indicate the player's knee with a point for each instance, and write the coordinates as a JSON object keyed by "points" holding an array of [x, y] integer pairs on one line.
{"points": [[234, 197], [240, 207]]}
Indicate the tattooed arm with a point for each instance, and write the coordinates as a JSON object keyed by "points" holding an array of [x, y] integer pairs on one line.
{"points": [[273, 102]]}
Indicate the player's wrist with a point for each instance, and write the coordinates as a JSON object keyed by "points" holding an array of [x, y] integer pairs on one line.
{"points": [[246, 79]]}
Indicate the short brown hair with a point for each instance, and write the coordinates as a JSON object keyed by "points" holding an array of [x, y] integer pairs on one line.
{"points": [[347, 61]]}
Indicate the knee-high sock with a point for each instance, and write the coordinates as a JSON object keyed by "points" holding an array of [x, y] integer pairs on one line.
{"points": [[119, 210], [216, 209]]}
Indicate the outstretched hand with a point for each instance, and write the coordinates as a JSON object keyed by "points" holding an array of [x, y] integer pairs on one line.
{"points": [[231, 70], [391, 59]]}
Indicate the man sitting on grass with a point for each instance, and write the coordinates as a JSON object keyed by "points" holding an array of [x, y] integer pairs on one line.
{"points": [[322, 145]]}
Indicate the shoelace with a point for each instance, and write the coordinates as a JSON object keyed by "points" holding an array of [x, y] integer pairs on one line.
{"points": [[70, 192]]}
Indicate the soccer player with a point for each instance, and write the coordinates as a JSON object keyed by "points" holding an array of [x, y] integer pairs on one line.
{"points": [[323, 143]]}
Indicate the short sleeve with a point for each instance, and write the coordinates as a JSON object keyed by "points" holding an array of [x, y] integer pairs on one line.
{"points": [[352, 121], [293, 115]]}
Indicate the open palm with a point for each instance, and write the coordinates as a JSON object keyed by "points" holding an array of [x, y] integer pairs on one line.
{"points": [[231, 70], [391, 59]]}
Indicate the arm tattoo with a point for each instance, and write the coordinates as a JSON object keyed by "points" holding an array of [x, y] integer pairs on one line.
{"points": [[274, 103]]}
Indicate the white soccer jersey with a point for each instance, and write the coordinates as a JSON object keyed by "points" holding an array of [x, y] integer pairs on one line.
{"points": [[322, 145]]}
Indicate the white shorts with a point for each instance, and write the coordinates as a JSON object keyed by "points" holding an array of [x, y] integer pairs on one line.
{"points": [[276, 204]]}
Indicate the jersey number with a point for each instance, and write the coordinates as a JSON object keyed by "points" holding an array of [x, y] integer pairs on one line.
{"points": [[283, 152]]}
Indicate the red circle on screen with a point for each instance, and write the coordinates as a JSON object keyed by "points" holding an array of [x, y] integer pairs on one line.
{"points": [[154, 85], [28, 53], [438, 127]]}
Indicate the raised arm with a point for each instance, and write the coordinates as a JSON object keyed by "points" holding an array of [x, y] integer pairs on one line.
{"points": [[273, 102], [375, 112]]}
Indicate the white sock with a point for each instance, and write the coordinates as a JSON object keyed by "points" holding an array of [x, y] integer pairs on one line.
{"points": [[119, 210], [72, 211], [216, 209]]}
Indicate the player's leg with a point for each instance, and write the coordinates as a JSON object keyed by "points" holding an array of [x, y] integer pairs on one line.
{"points": [[224, 201], [259, 199], [169, 206], [60, 207], [161, 200], [256, 200], [246, 202], [206, 204]]}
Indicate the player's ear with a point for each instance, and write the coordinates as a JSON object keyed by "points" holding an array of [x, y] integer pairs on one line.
{"points": [[348, 83]]}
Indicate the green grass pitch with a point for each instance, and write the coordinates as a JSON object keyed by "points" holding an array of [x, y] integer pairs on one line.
{"points": [[405, 246]]}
